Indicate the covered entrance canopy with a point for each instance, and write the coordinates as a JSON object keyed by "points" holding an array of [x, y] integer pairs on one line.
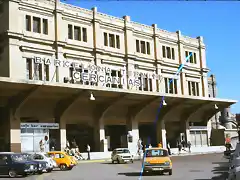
{"points": [[50, 102]]}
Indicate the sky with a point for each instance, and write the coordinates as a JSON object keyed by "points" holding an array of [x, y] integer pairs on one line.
{"points": [[218, 23]]}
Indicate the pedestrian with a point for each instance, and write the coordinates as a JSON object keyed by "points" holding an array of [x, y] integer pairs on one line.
{"points": [[168, 148], [179, 148], [189, 146], [88, 151], [183, 145], [41, 145], [160, 144]]}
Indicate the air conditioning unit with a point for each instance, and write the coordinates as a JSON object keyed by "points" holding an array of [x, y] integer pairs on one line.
{"points": [[66, 79]]}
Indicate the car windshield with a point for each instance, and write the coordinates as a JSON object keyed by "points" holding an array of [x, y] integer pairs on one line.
{"points": [[122, 151], [156, 153], [18, 157]]}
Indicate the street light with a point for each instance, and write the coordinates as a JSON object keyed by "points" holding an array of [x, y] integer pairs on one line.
{"points": [[164, 103], [92, 98]]}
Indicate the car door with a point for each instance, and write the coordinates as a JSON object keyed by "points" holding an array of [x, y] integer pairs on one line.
{"points": [[4, 164]]}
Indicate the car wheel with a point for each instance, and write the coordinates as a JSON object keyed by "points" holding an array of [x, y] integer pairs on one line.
{"points": [[40, 172], [12, 173], [63, 167], [170, 172]]}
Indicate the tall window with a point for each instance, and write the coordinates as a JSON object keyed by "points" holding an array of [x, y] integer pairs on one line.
{"points": [[36, 25], [171, 86], [193, 58], [29, 68], [37, 74], [45, 26], [46, 72], [77, 33], [114, 79], [146, 83], [36, 71], [28, 23], [168, 52], [193, 88], [111, 40], [84, 34], [70, 31], [143, 47]]}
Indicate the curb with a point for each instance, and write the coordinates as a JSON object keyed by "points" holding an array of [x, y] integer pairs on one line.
{"points": [[174, 155], [94, 161]]}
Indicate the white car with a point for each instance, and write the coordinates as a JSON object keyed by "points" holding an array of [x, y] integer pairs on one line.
{"points": [[41, 156], [121, 155]]}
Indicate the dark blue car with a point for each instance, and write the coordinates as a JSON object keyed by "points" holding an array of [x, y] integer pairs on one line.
{"points": [[12, 164]]}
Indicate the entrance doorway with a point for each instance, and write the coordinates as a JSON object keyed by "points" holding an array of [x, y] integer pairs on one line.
{"points": [[147, 132], [117, 135], [83, 135]]}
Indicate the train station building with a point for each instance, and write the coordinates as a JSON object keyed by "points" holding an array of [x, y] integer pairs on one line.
{"points": [[72, 73]]}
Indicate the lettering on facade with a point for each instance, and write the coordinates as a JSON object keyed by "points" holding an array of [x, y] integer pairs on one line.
{"points": [[39, 126], [100, 74]]}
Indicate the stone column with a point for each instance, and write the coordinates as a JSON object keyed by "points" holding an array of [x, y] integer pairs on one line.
{"points": [[161, 133], [129, 51], [101, 143], [186, 131], [60, 134], [203, 66], [63, 134], [181, 56], [14, 136], [133, 132]]}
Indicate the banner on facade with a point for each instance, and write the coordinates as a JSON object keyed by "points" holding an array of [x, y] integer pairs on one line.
{"points": [[40, 125]]}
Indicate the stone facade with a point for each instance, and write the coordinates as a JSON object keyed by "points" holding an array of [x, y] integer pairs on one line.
{"points": [[52, 54], [74, 34]]}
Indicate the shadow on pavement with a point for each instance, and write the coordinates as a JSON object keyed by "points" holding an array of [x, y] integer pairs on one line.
{"points": [[138, 174], [220, 171]]}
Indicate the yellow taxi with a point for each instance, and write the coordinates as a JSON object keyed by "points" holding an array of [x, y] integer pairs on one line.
{"points": [[157, 160], [64, 161]]}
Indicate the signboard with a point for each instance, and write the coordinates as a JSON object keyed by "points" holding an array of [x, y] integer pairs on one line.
{"points": [[40, 125], [102, 74]]}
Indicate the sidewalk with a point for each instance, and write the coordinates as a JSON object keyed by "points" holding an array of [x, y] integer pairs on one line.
{"points": [[137, 159], [105, 156]]}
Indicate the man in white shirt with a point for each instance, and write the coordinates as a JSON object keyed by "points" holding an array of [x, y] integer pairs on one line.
{"points": [[88, 151]]}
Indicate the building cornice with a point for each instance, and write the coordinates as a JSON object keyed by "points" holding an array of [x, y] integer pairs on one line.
{"points": [[31, 49]]}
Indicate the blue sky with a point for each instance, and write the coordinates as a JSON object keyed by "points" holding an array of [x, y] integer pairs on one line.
{"points": [[217, 22]]}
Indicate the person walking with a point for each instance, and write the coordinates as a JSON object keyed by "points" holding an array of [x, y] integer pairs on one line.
{"points": [[179, 148], [160, 144], [88, 151], [189, 146], [168, 148]]}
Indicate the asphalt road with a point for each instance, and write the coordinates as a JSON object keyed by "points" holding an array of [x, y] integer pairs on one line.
{"points": [[199, 167]]}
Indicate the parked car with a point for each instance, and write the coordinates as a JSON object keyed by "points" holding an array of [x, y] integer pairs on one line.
{"points": [[121, 155], [42, 156], [157, 160], [63, 161], [12, 164], [42, 165]]}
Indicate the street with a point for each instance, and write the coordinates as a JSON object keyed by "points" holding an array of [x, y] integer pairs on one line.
{"points": [[197, 167]]}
